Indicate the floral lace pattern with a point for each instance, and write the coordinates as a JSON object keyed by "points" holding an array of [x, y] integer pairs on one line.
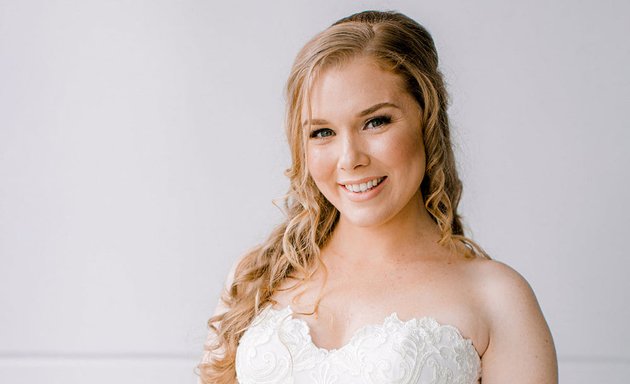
{"points": [[277, 348]]}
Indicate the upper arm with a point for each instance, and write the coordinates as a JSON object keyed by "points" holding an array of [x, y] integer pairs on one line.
{"points": [[520, 348], [219, 309]]}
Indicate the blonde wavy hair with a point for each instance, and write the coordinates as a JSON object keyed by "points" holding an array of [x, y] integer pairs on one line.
{"points": [[402, 46]]}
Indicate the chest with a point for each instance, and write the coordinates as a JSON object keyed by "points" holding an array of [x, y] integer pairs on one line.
{"points": [[346, 305], [277, 348]]}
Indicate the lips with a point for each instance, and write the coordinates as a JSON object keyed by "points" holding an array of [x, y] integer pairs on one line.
{"points": [[365, 186], [367, 193]]}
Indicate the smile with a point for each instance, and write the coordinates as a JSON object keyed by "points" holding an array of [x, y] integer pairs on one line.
{"points": [[363, 187]]}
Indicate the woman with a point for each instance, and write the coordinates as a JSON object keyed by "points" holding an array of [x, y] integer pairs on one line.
{"points": [[371, 279]]}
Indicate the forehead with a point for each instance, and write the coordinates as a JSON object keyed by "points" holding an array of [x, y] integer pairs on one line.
{"points": [[352, 87]]}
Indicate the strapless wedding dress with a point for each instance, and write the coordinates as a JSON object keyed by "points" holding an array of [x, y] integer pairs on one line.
{"points": [[277, 348]]}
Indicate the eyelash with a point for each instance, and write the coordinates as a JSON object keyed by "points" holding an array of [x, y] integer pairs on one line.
{"points": [[384, 120]]}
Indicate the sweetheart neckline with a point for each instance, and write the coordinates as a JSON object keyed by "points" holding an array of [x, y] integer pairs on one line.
{"points": [[393, 317]]}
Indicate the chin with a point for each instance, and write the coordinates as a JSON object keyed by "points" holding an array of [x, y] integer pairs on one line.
{"points": [[363, 219]]}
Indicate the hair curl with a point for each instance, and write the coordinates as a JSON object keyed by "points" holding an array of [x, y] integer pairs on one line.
{"points": [[398, 44]]}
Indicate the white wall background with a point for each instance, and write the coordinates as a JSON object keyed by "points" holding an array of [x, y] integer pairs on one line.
{"points": [[141, 144]]}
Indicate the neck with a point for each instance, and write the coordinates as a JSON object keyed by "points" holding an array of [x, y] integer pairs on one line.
{"points": [[410, 235]]}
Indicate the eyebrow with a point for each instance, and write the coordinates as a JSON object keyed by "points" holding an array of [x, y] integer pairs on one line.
{"points": [[365, 112]]}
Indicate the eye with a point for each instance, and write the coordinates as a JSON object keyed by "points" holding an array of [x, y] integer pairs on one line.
{"points": [[378, 121], [321, 133]]}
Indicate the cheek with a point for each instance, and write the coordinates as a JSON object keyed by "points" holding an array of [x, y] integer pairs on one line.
{"points": [[320, 164], [404, 152]]}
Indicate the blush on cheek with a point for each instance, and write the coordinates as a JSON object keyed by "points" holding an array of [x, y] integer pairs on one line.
{"points": [[320, 165], [412, 149], [401, 149], [404, 153]]}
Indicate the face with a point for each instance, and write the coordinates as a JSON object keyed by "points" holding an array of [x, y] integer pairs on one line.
{"points": [[364, 149]]}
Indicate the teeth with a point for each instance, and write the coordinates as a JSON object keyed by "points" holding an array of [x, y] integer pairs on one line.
{"points": [[363, 186]]}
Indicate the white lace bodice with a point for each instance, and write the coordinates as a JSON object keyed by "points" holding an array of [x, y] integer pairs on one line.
{"points": [[277, 348]]}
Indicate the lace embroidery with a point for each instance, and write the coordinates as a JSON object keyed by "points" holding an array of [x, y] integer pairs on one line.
{"points": [[278, 348]]}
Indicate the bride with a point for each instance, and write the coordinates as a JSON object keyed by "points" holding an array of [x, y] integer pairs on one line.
{"points": [[371, 279]]}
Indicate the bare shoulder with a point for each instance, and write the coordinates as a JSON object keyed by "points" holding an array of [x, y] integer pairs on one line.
{"points": [[502, 291], [497, 281], [521, 348]]}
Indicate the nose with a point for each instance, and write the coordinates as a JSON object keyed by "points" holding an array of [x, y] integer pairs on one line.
{"points": [[353, 153]]}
